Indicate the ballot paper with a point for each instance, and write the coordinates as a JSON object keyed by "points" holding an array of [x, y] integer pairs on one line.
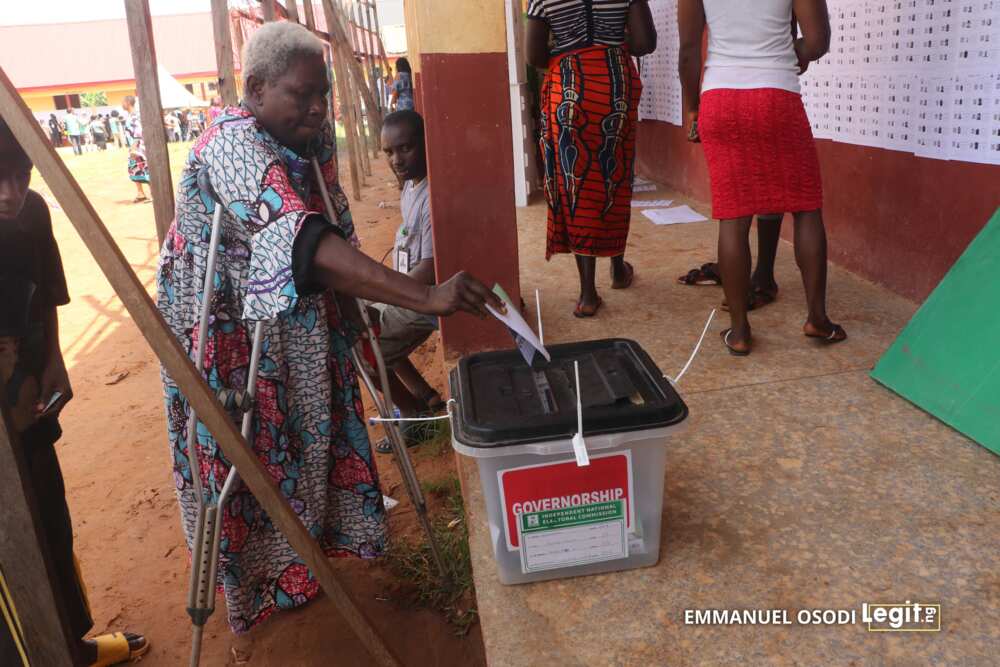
{"points": [[644, 187], [526, 340], [673, 216], [651, 203], [389, 502]]}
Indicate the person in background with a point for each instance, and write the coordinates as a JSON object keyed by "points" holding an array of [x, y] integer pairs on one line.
{"points": [[748, 114], [55, 130], [292, 264], [182, 119], [402, 330], [138, 170], [97, 132], [215, 109], [37, 389], [115, 127], [402, 87], [75, 131], [107, 127], [590, 105]]}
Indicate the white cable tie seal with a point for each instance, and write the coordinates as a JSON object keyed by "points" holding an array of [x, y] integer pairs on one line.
{"points": [[694, 353]]}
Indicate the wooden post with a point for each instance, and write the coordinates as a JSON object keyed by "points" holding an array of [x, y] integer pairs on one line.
{"points": [[307, 7], [353, 87], [292, 9], [366, 41], [224, 52], [338, 35], [267, 10], [386, 69], [342, 102], [154, 136], [25, 557], [175, 360]]}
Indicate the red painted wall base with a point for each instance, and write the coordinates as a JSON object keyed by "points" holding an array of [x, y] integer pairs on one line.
{"points": [[894, 218]]}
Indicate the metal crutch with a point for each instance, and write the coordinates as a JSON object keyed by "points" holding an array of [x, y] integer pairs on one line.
{"points": [[385, 407], [205, 550]]}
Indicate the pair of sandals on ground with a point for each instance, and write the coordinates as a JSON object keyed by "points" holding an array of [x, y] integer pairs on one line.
{"points": [[759, 296]]}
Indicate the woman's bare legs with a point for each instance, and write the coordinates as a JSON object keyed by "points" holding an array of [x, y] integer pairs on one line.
{"points": [[734, 266], [587, 267], [810, 255]]}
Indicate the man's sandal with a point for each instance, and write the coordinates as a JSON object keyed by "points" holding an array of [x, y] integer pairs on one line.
{"points": [[115, 649], [629, 277]]}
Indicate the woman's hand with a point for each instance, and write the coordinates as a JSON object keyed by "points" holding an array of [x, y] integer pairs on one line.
{"points": [[461, 292], [54, 379], [692, 123]]}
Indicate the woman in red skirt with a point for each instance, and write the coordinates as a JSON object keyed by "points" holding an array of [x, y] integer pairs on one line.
{"points": [[589, 117], [758, 143]]}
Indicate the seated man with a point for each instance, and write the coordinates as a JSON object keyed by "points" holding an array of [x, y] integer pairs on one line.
{"points": [[401, 330], [33, 374]]}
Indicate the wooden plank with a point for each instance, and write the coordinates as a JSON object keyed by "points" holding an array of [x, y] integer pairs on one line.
{"points": [[267, 10], [154, 136], [386, 69], [292, 10], [359, 118], [224, 52], [175, 360], [341, 101], [369, 47], [25, 557], [307, 7], [338, 38]]}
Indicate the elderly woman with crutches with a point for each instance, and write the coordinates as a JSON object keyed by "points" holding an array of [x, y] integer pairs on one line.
{"points": [[280, 263]]}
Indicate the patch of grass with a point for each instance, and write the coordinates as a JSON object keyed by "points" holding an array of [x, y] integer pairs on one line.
{"points": [[438, 443], [412, 561]]}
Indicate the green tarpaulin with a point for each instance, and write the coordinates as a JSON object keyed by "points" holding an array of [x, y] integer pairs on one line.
{"points": [[947, 359]]}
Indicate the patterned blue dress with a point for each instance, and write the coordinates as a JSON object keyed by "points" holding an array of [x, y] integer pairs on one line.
{"points": [[309, 428]]}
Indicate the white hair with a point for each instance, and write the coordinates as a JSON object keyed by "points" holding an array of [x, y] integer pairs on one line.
{"points": [[273, 48]]}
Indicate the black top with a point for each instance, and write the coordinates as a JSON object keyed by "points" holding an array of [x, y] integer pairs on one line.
{"points": [[501, 401], [31, 279], [576, 24]]}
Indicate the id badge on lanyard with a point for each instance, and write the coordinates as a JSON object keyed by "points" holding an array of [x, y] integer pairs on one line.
{"points": [[403, 261]]}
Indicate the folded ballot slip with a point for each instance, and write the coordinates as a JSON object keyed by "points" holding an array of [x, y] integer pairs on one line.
{"points": [[527, 342]]}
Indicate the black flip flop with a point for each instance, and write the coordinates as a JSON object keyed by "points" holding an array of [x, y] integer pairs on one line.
{"points": [[733, 351], [836, 335]]}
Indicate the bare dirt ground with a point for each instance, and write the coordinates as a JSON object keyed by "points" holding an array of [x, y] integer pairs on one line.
{"points": [[116, 463]]}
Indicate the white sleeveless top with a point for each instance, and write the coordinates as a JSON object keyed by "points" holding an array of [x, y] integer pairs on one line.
{"points": [[750, 45]]}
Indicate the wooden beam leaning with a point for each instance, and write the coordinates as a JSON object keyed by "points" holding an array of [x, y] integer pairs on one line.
{"points": [[24, 556], [224, 52], [175, 360], [342, 101], [359, 117], [292, 10], [307, 7], [267, 10], [378, 38], [338, 34], [154, 136]]}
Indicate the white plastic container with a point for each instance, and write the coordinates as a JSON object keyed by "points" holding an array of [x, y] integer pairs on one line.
{"points": [[539, 481]]}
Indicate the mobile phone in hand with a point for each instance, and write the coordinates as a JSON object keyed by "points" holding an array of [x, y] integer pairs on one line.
{"points": [[52, 401]]}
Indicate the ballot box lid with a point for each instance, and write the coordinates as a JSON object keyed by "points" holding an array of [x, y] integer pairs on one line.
{"points": [[502, 401]]}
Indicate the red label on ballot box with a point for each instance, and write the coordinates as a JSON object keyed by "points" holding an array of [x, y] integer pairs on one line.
{"points": [[552, 486]]}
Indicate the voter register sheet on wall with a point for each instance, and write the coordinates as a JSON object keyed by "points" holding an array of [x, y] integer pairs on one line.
{"points": [[921, 76]]}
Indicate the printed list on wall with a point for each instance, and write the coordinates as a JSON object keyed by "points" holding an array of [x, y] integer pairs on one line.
{"points": [[661, 87], [921, 76]]}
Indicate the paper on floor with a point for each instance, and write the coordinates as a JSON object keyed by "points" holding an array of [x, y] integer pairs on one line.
{"points": [[651, 203], [644, 187], [673, 216]]}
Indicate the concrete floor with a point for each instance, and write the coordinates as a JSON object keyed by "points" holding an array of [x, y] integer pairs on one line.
{"points": [[800, 484]]}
